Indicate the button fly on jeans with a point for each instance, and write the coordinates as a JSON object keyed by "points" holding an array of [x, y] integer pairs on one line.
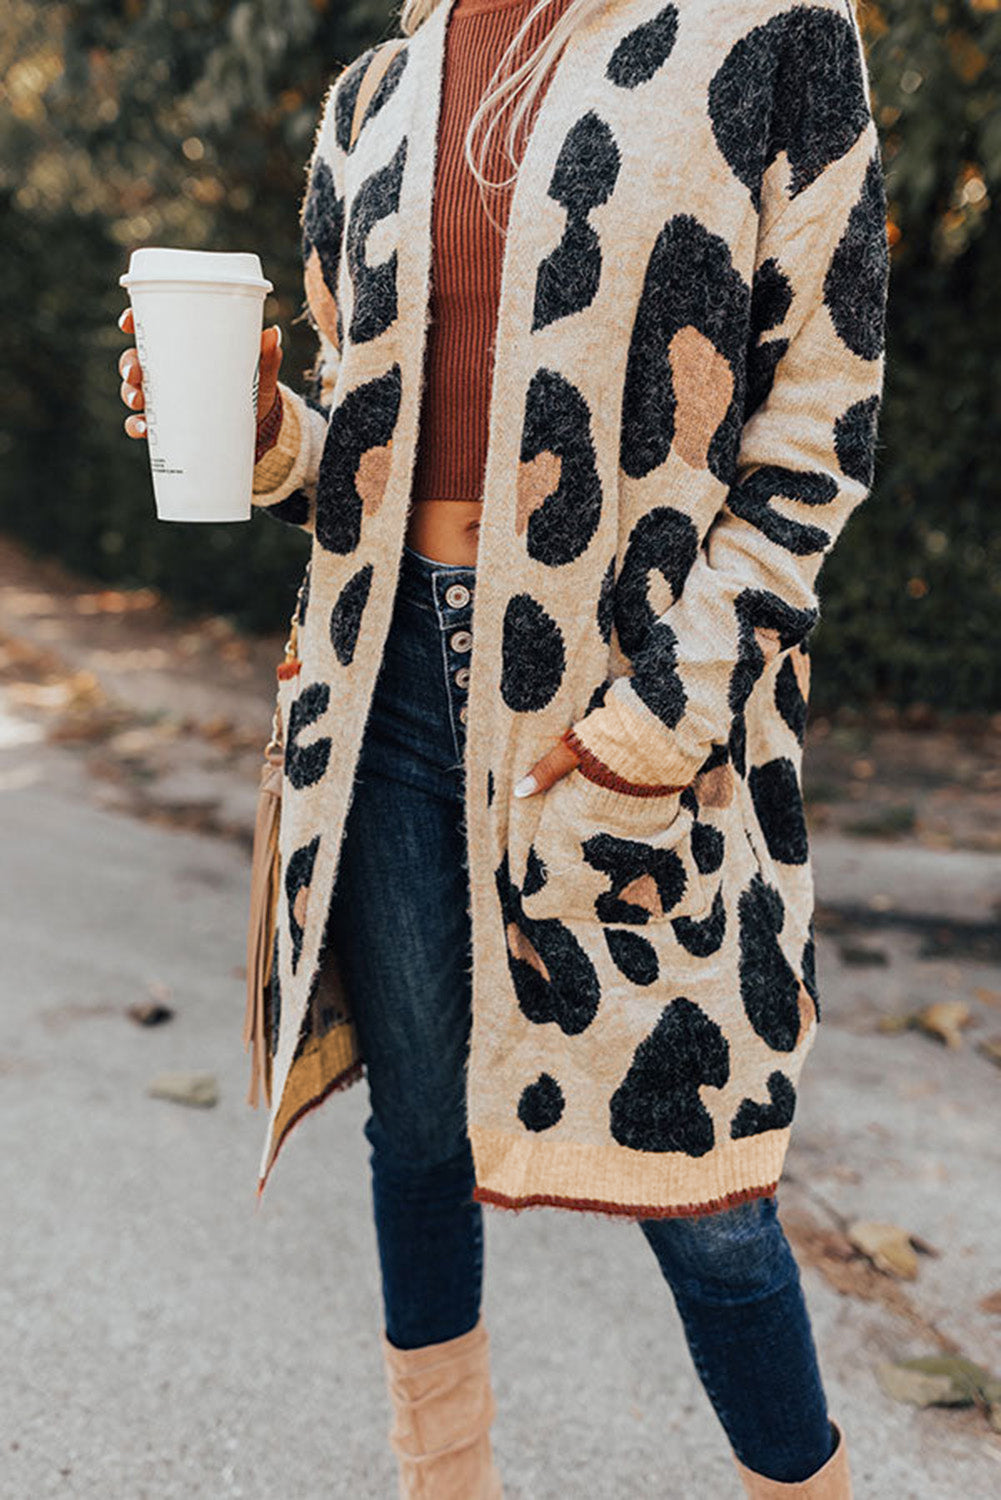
{"points": [[457, 595], [461, 640], [462, 677]]}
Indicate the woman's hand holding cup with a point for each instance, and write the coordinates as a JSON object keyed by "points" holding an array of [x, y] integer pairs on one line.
{"points": [[131, 372]]}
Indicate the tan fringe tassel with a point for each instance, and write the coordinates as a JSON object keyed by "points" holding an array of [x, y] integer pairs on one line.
{"points": [[264, 876]]}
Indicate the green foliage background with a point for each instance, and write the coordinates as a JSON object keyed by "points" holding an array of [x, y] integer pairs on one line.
{"points": [[191, 123]]}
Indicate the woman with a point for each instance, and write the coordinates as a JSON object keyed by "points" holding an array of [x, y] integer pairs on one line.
{"points": [[576, 449]]}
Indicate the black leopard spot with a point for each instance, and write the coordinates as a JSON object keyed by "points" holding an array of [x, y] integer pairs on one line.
{"points": [[536, 874], [606, 602], [737, 743], [490, 788], [598, 696], [305, 764], [646, 881], [792, 84], [533, 655], [387, 86], [303, 597], [558, 490], [553, 978], [298, 874], [323, 223], [632, 955], [345, 617], [789, 699], [365, 419], [855, 433], [708, 844], [754, 1119], [686, 370], [751, 498], [293, 510], [584, 177], [771, 298], [769, 989], [348, 86], [760, 609], [664, 541], [274, 996], [855, 287], [375, 304], [657, 1106], [644, 50], [541, 1104], [778, 803], [702, 936], [655, 677], [808, 968]]}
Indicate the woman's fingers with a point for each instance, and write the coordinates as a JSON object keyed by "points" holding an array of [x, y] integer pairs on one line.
{"points": [[132, 395], [554, 764], [271, 358], [132, 377]]}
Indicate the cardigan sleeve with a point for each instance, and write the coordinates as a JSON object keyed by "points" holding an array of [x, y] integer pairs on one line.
{"points": [[805, 458], [286, 474]]}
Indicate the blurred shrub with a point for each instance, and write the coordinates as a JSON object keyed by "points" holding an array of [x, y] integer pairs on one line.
{"points": [[190, 124]]}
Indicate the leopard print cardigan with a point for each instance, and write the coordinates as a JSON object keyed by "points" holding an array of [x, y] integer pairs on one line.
{"points": [[689, 369]]}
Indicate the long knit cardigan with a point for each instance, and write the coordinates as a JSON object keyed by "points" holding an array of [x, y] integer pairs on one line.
{"points": [[689, 368]]}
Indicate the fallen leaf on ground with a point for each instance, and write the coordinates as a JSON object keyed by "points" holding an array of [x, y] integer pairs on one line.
{"points": [[943, 1019], [990, 1048], [890, 1248], [906, 1384], [199, 1089], [150, 1013], [943, 1380], [857, 955]]}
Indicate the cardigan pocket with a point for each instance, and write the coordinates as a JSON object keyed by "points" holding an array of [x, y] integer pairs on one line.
{"points": [[608, 856]]}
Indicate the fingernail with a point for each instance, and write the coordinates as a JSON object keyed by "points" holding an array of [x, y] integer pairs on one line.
{"points": [[121, 320], [279, 327], [132, 397], [140, 426], [526, 786]]}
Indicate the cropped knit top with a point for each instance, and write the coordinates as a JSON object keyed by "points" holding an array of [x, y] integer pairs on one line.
{"points": [[467, 230], [468, 247]]}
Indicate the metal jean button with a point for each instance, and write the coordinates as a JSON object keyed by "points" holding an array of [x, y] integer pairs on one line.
{"points": [[461, 640], [456, 595], [463, 711], [462, 677]]}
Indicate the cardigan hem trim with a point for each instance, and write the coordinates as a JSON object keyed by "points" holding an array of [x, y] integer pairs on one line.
{"points": [[623, 1210], [343, 1080]]}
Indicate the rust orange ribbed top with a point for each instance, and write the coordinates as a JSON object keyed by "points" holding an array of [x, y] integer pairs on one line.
{"points": [[467, 250]]}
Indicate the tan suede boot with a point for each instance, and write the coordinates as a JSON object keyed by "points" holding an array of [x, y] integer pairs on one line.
{"points": [[832, 1481], [443, 1406]]}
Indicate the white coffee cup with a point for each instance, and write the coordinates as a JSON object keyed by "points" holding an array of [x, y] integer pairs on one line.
{"points": [[198, 316]]}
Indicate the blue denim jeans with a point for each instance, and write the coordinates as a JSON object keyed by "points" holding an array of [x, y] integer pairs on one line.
{"points": [[399, 923]]}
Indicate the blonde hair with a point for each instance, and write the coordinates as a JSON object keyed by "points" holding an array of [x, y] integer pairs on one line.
{"points": [[505, 85]]}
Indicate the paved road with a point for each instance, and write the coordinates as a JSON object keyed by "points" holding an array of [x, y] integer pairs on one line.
{"points": [[153, 1347]]}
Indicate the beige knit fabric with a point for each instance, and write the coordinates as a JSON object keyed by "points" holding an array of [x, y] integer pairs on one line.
{"points": [[689, 368]]}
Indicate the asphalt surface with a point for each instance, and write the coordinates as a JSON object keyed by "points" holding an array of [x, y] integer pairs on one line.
{"points": [[165, 1337]]}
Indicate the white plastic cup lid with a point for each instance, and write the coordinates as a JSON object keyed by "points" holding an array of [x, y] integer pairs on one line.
{"points": [[162, 263]]}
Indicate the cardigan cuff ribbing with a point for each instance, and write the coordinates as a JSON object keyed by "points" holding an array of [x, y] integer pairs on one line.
{"points": [[632, 746], [293, 461]]}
